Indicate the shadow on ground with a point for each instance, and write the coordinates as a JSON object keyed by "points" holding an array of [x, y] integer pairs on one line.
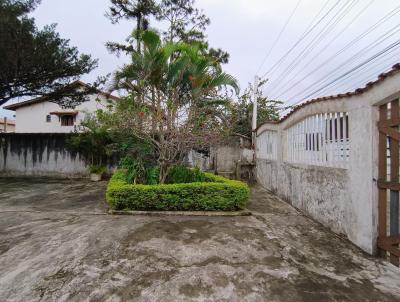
{"points": [[55, 245]]}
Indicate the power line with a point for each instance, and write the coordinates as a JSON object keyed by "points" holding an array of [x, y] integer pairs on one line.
{"points": [[391, 46], [279, 36], [357, 84], [356, 56], [347, 46], [289, 81], [354, 85], [329, 26], [362, 71], [370, 77], [304, 35]]}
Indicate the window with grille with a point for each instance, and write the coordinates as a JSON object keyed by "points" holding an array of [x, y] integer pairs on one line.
{"points": [[321, 139], [267, 145]]}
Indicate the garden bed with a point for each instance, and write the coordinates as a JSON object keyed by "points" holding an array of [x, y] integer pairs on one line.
{"points": [[216, 193]]}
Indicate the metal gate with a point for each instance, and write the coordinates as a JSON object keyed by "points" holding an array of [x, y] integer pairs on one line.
{"points": [[388, 182]]}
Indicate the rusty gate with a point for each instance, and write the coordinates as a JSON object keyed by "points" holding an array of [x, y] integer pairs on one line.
{"points": [[388, 182]]}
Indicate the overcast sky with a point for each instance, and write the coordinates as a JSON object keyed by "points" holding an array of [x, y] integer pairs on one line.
{"points": [[248, 29]]}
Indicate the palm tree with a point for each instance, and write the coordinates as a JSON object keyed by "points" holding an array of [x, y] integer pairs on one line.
{"points": [[175, 88]]}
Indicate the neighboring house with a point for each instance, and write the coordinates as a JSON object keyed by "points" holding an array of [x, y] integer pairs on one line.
{"points": [[40, 115], [7, 125]]}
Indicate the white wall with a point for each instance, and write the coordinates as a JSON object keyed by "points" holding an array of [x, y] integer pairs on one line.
{"points": [[320, 192], [197, 159], [342, 198], [266, 146], [32, 118], [224, 157], [9, 128]]}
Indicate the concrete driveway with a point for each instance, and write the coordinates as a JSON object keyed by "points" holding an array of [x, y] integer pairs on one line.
{"points": [[56, 244]]}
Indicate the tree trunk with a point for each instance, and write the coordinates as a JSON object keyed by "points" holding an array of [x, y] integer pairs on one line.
{"points": [[154, 112], [164, 169], [138, 29]]}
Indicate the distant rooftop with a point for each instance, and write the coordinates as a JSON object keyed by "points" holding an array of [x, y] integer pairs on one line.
{"points": [[9, 122]]}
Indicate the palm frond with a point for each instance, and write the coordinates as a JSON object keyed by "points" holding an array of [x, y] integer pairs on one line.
{"points": [[214, 102], [151, 39], [222, 79], [177, 68]]}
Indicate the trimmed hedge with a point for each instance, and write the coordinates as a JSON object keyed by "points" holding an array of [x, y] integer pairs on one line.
{"points": [[216, 194]]}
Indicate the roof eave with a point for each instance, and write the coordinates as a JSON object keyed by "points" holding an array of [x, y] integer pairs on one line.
{"points": [[14, 107]]}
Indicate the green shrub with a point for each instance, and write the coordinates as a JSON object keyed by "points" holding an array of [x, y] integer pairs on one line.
{"points": [[152, 175], [216, 193], [137, 171], [181, 174], [96, 169], [134, 169]]}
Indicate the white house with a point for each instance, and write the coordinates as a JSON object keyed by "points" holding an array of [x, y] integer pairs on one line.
{"points": [[40, 115]]}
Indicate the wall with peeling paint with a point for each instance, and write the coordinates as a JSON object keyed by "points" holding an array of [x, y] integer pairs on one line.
{"points": [[23, 154], [320, 192], [342, 197], [224, 157]]}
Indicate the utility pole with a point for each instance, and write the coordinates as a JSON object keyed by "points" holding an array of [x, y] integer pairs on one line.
{"points": [[254, 117]]}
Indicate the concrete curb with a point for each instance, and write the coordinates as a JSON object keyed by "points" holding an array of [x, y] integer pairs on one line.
{"points": [[183, 213]]}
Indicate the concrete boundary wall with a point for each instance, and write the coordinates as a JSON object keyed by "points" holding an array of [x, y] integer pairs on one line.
{"points": [[343, 198], [319, 191], [39, 154]]}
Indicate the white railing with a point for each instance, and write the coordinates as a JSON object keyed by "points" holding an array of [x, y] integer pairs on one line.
{"points": [[321, 139], [267, 145]]}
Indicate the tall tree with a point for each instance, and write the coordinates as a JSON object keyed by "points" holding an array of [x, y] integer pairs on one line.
{"points": [[185, 23], [174, 99], [138, 10], [242, 111], [36, 62]]}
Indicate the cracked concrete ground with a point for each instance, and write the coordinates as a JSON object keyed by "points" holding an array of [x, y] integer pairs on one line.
{"points": [[56, 244]]}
